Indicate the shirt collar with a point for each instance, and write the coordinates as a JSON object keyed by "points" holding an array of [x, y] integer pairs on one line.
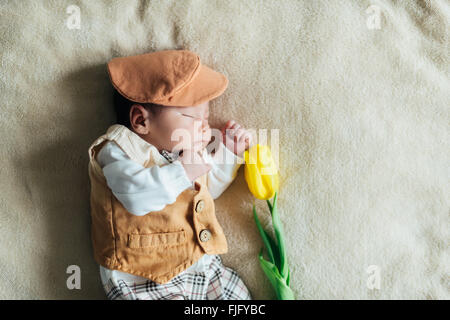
{"points": [[136, 147]]}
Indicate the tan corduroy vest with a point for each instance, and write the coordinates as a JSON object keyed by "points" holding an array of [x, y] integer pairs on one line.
{"points": [[160, 244]]}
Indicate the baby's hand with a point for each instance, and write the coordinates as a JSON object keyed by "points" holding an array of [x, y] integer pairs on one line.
{"points": [[235, 138], [193, 163]]}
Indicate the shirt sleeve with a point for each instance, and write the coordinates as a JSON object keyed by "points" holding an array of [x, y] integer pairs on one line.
{"points": [[141, 190], [225, 165]]}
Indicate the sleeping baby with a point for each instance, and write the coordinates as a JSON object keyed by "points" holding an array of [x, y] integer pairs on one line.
{"points": [[154, 230]]}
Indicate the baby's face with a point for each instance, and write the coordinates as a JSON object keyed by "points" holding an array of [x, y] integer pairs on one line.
{"points": [[179, 128]]}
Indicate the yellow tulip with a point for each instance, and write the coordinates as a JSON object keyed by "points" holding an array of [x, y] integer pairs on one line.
{"points": [[260, 172]]}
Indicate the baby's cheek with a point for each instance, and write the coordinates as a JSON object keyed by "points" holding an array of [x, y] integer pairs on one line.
{"points": [[207, 135], [181, 138]]}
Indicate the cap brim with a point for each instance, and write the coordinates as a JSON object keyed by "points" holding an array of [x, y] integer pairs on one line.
{"points": [[207, 85]]}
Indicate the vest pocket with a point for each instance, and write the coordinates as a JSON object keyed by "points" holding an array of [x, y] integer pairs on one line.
{"points": [[156, 239]]}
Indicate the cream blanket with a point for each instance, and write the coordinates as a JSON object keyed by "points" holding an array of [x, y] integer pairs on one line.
{"points": [[359, 91]]}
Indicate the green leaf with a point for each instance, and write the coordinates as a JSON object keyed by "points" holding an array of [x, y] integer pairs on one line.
{"points": [[279, 234], [288, 277], [279, 284], [270, 205], [275, 250], [268, 242], [273, 245], [270, 270]]}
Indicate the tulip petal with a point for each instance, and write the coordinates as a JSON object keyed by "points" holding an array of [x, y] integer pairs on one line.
{"points": [[260, 172]]}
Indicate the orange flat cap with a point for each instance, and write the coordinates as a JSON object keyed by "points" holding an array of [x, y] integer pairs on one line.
{"points": [[168, 77]]}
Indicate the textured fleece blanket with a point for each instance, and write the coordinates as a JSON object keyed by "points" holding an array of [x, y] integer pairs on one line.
{"points": [[359, 94]]}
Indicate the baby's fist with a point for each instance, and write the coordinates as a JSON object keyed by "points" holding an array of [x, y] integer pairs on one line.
{"points": [[235, 138]]}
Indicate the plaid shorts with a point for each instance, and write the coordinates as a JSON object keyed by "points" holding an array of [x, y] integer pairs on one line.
{"points": [[215, 283]]}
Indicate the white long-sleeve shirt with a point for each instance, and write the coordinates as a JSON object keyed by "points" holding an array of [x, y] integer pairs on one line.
{"points": [[142, 190]]}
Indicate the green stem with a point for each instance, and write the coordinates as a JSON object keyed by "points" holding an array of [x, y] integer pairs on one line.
{"points": [[279, 233]]}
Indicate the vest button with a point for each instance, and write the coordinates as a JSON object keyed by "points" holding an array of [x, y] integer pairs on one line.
{"points": [[200, 205], [205, 235]]}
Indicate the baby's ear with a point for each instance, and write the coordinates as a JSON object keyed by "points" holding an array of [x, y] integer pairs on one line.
{"points": [[139, 119]]}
